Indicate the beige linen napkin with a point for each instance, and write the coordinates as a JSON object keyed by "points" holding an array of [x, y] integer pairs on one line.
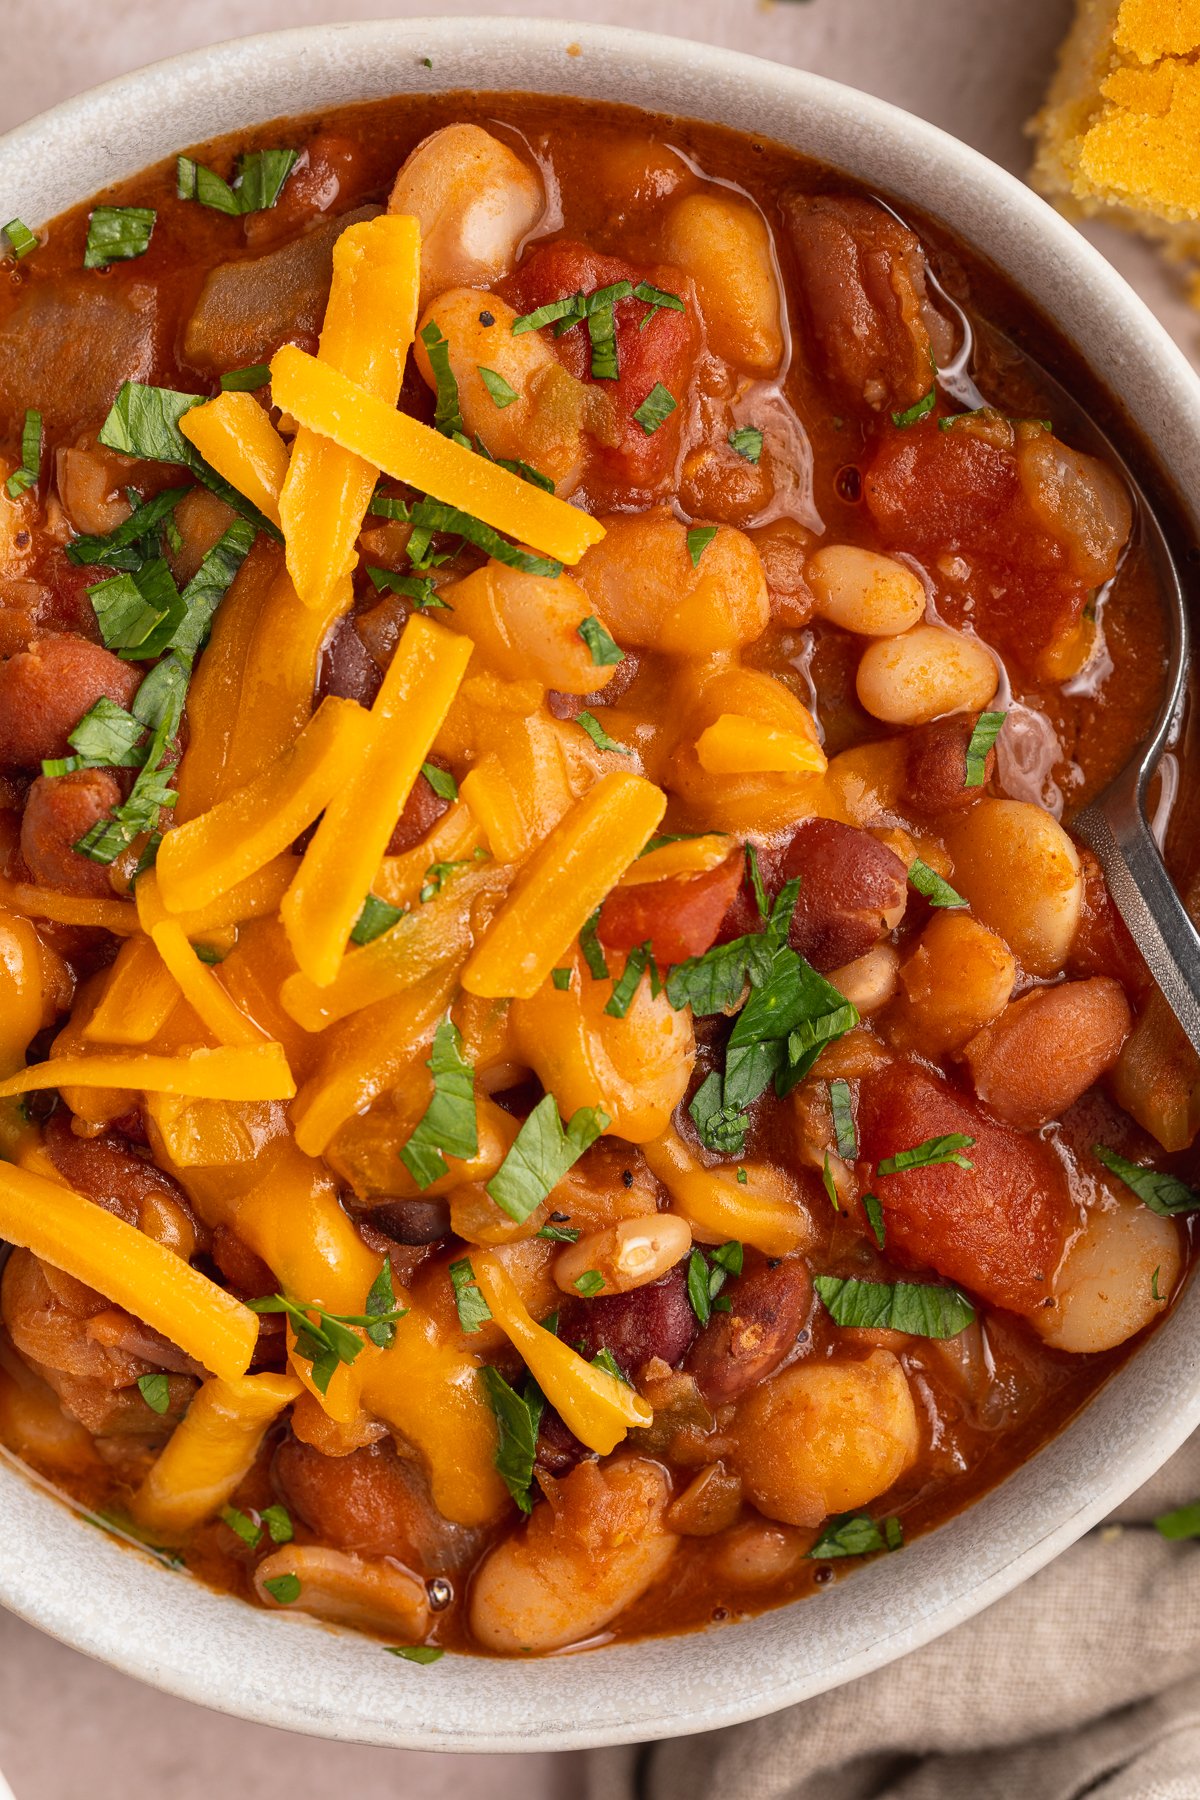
{"points": [[1082, 1682]]}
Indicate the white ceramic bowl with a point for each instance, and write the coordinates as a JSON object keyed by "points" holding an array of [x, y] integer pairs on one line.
{"points": [[67, 1577]]}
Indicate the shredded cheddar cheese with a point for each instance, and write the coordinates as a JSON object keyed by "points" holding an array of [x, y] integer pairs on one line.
{"points": [[369, 325], [493, 800], [117, 916], [560, 887], [259, 1073], [138, 999], [339, 865], [235, 436], [211, 1451], [597, 1407], [128, 1268], [200, 861], [735, 745], [325, 401], [760, 1211], [690, 856]]}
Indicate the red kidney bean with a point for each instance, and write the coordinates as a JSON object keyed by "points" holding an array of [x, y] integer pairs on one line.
{"points": [[347, 668], [852, 891], [410, 1222], [45, 691], [373, 1501], [107, 1171], [422, 810], [647, 1322], [738, 1349]]}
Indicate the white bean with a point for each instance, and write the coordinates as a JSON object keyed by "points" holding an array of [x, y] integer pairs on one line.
{"points": [[1105, 1287], [924, 673], [869, 981], [863, 592], [629, 1255], [588, 1553], [1022, 875], [725, 247], [475, 201], [367, 1591]]}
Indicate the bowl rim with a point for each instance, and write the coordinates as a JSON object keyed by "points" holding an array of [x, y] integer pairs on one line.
{"points": [[106, 1600]]}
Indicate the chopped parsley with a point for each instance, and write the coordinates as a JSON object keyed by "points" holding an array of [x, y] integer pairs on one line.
{"points": [[155, 1391], [132, 543], [936, 890], [987, 730], [438, 873], [430, 516], [21, 240], [242, 1525], [247, 380], [856, 1534], [375, 918], [278, 1522], [561, 979], [605, 651], [707, 1275], [636, 964], [518, 1417], [829, 1184], [933, 1150], [440, 780], [843, 1119], [449, 1126], [658, 300], [117, 234], [256, 186], [417, 588], [144, 422], [918, 410], [327, 1341], [447, 415], [1183, 1522], [747, 440], [591, 724], [874, 1212], [138, 611], [655, 409], [908, 1306], [560, 1234], [698, 540], [589, 1283], [22, 479], [1162, 1193], [606, 1361], [417, 1653], [541, 1154], [284, 1588], [500, 390], [473, 1310], [107, 737]]}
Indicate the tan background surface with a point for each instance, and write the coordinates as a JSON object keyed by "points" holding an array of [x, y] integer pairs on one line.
{"points": [[975, 67]]}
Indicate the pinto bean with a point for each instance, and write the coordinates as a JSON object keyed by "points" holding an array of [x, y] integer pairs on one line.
{"points": [[631, 1254], [1048, 1047], [58, 811], [372, 1501], [852, 891], [45, 691], [647, 1322], [1000, 1227], [935, 769], [738, 1349], [107, 1171]]}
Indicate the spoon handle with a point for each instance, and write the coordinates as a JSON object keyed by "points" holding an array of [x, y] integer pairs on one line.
{"points": [[1116, 829]]}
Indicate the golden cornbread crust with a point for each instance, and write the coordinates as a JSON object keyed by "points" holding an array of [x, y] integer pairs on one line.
{"points": [[1119, 135]]}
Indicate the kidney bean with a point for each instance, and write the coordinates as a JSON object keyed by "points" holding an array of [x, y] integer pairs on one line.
{"points": [[58, 811], [244, 1270], [347, 668], [862, 294], [1000, 1227], [647, 1322], [45, 691], [852, 891], [738, 1349], [1048, 1048], [935, 770], [410, 1222], [373, 1501], [107, 1171], [422, 810], [678, 917]]}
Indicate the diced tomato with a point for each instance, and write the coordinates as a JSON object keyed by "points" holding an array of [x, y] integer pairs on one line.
{"points": [[678, 917], [999, 1228], [952, 494], [1102, 944], [627, 457]]}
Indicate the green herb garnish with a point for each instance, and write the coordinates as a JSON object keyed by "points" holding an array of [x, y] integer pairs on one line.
{"points": [[987, 730], [242, 1525], [117, 234], [655, 409], [935, 888], [589, 1283], [591, 724], [856, 1534], [417, 1653], [917, 410], [874, 1212], [623, 991], [447, 416], [706, 1276], [256, 187], [842, 1108], [284, 1588], [247, 380], [698, 540], [605, 651], [541, 1155], [22, 479], [449, 1123], [925, 1155], [440, 780], [144, 422], [518, 1417], [21, 240], [473, 1310], [155, 1391], [1162, 1193], [500, 390], [747, 440], [417, 588], [908, 1306], [375, 918]]}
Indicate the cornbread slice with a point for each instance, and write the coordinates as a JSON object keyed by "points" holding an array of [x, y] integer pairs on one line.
{"points": [[1119, 135]]}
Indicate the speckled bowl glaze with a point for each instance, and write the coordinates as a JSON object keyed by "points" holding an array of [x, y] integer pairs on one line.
{"points": [[60, 1572]]}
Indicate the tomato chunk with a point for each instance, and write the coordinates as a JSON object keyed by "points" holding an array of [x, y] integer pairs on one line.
{"points": [[956, 498], [626, 456], [678, 917], [999, 1228]]}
